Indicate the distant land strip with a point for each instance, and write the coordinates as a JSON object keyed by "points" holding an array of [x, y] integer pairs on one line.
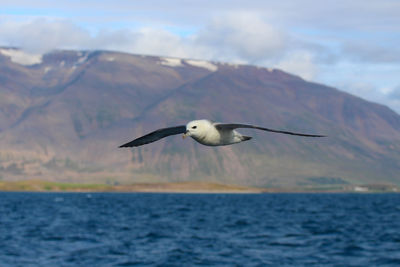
{"points": [[184, 187], [172, 187]]}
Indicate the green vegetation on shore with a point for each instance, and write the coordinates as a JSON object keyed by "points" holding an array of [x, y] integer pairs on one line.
{"points": [[43, 186], [183, 187]]}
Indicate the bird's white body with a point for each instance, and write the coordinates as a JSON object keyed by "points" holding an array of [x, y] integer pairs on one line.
{"points": [[205, 132]]}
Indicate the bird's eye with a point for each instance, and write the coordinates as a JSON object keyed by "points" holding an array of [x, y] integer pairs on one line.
{"points": [[194, 127]]}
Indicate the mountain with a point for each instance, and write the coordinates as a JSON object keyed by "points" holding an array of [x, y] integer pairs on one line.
{"points": [[63, 118]]}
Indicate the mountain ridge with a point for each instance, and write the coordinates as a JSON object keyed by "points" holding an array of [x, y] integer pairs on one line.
{"points": [[64, 118]]}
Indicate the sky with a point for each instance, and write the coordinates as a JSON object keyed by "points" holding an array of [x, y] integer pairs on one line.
{"points": [[351, 45]]}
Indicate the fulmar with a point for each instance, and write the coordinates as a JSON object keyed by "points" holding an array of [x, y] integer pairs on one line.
{"points": [[207, 133]]}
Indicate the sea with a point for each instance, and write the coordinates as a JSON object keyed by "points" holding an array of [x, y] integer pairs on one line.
{"points": [[146, 229]]}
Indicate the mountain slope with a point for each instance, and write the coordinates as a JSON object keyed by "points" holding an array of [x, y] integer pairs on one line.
{"points": [[63, 119]]}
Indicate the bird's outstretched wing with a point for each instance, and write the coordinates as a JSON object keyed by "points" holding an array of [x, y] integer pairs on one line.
{"points": [[231, 126], [156, 135]]}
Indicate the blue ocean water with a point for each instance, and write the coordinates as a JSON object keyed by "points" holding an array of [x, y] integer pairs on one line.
{"points": [[104, 229]]}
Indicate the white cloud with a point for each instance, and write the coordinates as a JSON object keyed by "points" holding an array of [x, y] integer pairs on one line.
{"points": [[371, 52], [245, 35], [395, 93], [390, 97], [393, 98], [157, 42], [240, 37], [300, 63], [41, 35]]}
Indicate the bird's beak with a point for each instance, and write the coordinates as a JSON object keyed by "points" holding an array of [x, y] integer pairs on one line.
{"points": [[186, 134]]}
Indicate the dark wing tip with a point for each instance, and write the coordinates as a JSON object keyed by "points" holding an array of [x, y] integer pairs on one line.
{"points": [[154, 136], [312, 135], [139, 142], [124, 145]]}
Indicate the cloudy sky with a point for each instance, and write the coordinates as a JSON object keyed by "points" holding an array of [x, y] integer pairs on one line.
{"points": [[351, 45]]}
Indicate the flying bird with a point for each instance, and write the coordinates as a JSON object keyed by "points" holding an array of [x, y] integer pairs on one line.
{"points": [[207, 133]]}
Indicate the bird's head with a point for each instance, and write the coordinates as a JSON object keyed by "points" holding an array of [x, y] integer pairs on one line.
{"points": [[197, 128]]}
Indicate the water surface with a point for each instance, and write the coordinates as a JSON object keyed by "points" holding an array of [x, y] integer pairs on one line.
{"points": [[104, 229]]}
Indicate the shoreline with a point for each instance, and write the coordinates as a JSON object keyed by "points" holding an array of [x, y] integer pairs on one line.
{"points": [[172, 187], [193, 187]]}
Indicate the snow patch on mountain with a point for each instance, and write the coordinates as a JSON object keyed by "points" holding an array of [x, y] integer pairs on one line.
{"points": [[22, 57], [202, 64], [171, 62]]}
